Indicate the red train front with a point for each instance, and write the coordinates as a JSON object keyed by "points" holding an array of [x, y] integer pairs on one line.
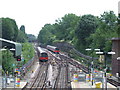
{"points": [[53, 49], [56, 51], [42, 54]]}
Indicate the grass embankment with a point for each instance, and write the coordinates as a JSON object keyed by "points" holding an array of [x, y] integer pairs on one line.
{"points": [[27, 51]]}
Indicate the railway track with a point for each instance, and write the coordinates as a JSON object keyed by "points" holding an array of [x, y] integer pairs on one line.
{"points": [[40, 77], [62, 77], [113, 82], [76, 64], [61, 80], [85, 69]]}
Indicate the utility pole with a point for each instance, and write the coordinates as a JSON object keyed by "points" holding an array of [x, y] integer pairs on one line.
{"points": [[105, 63], [92, 63]]}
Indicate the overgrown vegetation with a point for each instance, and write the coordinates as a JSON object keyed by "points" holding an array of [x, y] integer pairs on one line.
{"points": [[8, 61], [86, 31], [27, 51], [11, 32]]}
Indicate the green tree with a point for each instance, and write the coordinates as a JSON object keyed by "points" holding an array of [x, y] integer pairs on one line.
{"points": [[118, 31], [22, 28], [46, 35], [7, 61], [27, 51], [66, 27], [9, 29], [87, 25], [106, 30], [21, 37], [62, 30], [31, 37]]}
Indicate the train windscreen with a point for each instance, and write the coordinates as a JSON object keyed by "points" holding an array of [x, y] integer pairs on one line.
{"points": [[57, 49], [44, 55]]}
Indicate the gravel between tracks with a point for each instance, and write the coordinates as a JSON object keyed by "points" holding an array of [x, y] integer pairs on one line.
{"points": [[31, 72]]}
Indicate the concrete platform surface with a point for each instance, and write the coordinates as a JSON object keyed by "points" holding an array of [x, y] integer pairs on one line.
{"points": [[80, 85], [22, 84], [88, 85]]}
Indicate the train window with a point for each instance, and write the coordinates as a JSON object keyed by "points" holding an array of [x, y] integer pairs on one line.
{"points": [[56, 49], [44, 55]]}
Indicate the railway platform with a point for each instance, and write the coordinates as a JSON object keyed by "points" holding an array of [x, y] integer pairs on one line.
{"points": [[13, 85], [83, 85], [80, 85], [25, 79], [22, 84]]}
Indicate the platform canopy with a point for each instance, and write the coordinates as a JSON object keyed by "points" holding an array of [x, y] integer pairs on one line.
{"points": [[15, 47]]}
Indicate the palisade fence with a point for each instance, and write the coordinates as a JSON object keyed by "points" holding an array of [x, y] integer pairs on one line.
{"points": [[26, 67]]}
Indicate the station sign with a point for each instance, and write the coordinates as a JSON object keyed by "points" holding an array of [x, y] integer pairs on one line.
{"points": [[17, 70], [13, 65]]}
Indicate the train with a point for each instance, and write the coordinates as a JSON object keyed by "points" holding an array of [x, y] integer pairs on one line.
{"points": [[53, 49], [42, 54]]}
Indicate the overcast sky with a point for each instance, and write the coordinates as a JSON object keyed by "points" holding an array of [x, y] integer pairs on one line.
{"points": [[34, 14]]}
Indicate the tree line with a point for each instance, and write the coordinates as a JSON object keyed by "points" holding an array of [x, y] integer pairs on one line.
{"points": [[10, 31], [86, 31]]}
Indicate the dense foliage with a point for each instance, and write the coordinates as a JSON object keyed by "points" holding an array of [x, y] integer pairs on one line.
{"points": [[106, 30], [87, 26], [22, 36], [118, 26], [62, 30], [7, 60], [27, 51], [87, 31], [31, 38], [10, 30], [22, 28]]}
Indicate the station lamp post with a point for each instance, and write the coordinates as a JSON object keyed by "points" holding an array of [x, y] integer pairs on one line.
{"points": [[12, 49], [118, 58], [92, 68], [105, 54], [3, 49]]}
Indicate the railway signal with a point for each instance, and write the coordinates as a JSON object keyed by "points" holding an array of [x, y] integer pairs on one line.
{"points": [[18, 58]]}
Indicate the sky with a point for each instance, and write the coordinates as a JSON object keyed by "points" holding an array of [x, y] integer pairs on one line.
{"points": [[34, 14]]}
